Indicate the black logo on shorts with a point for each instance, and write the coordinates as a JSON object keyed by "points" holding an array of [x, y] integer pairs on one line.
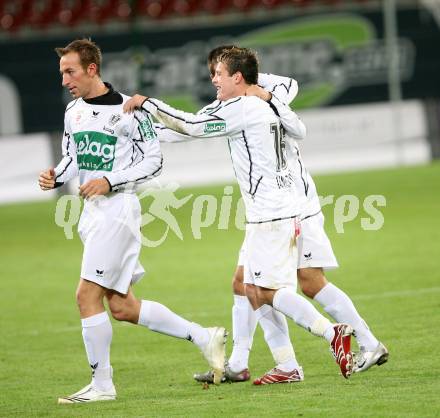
{"points": [[95, 114], [257, 274], [308, 256], [99, 273]]}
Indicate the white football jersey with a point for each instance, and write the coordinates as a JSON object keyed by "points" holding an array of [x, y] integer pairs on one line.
{"points": [[102, 141], [256, 145], [286, 90]]}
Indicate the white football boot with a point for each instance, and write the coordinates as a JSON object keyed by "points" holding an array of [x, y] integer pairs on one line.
{"points": [[89, 394], [214, 352], [365, 359]]}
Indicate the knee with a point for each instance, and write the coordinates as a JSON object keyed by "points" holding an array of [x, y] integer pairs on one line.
{"points": [[311, 281], [237, 282], [82, 298], [124, 310], [251, 290], [251, 294], [119, 313], [264, 296]]}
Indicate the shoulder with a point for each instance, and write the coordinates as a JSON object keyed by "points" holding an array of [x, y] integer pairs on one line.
{"points": [[71, 105], [212, 107], [254, 102], [141, 115], [125, 97], [233, 103], [264, 78]]}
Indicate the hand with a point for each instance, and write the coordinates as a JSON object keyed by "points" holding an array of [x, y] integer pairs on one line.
{"points": [[258, 91], [94, 187], [47, 179], [134, 103]]}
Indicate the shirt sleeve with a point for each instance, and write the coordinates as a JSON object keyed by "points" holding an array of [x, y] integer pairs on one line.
{"points": [[148, 164], [210, 107], [293, 125], [284, 88], [168, 135], [165, 134], [67, 168], [227, 119]]}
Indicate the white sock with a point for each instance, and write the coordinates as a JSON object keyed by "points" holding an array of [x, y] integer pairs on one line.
{"points": [[276, 335], [244, 323], [337, 304], [97, 335], [159, 318], [288, 302]]}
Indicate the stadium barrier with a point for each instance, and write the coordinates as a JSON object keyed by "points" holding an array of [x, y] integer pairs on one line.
{"points": [[343, 138], [22, 157]]}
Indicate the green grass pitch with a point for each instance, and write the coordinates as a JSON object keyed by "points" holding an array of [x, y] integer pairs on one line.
{"points": [[392, 275]]}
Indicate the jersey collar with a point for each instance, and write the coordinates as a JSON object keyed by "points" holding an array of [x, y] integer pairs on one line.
{"points": [[112, 97]]}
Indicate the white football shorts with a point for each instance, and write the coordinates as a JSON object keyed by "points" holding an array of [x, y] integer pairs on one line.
{"points": [[271, 254], [110, 231], [314, 247]]}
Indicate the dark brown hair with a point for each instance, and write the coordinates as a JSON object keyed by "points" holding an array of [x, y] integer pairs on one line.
{"points": [[215, 53], [242, 60], [88, 51]]}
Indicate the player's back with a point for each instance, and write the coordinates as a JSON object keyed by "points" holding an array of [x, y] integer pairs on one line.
{"points": [[259, 160]]}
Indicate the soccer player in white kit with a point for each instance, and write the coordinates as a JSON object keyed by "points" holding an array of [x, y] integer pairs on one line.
{"points": [[256, 145], [315, 254], [112, 152]]}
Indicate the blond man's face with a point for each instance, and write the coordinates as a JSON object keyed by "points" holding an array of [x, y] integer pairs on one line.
{"points": [[77, 80]]}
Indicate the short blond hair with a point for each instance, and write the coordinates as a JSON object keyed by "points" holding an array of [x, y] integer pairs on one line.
{"points": [[88, 51]]}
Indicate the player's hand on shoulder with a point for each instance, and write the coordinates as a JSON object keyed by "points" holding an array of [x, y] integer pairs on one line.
{"points": [[95, 187], [255, 90], [46, 180], [134, 103]]}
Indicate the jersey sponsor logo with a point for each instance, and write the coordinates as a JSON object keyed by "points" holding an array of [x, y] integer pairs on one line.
{"points": [[95, 150], [108, 130], [215, 127], [147, 129]]}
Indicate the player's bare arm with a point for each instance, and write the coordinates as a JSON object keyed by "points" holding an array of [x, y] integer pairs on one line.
{"points": [[46, 179], [95, 187], [134, 103]]}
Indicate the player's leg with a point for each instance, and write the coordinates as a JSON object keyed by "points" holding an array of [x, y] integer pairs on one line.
{"points": [[107, 263], [97, 336], [244, 320], [276, 335], [243, 329], [272, 261], [158, 318], [317, 253], [340, 307], [297, 308], [272, 322]]}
